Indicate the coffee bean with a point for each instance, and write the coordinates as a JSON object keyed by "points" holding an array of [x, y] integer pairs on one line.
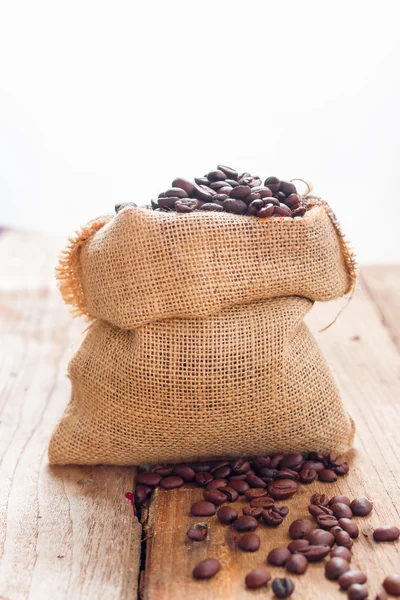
{"points": [[278, 556], [313, 465], [296, 544], [265, 502], [202, 193], [350, 526], [281, 510], [282, 588], [297, 564], [357, 592], [201, 467], [287, 188], [314, 553], [169, 202], [251, 197], [391, 584], [255, 482], [265, 212], [141, 494], [386, 533], [335, 567], [198, 533], [216, 185], [217, 175], [211, 207], [268, 472], [327, 476], [245, 523], [215, 484], [217, 465], [208, 190], [227, 515], [273, 184], [253, 512], [240, 466], [206, 568], [339, 500], [282, 210], [319, 499], [341, 552], [308, 475], [253, 493], [203, 509], [203, 478], [122, 205], [229, 172], [271, 517], [316, 510], [326, 521], [264, 192], [349, 577], [149, 479], [361, 507], [176, 192], [257, 578], [172, 482], [215, 496], [318, 537], [164, 471], [299, 528], [184, 184], [342, 511], [232, 182], [287, 474], [342, 538], [292, 201], [182, 206], [342, 469], [240, 486], [184, 471], [249, 542], [222, 472], [240, 192], [299, 212], [230, 493], [201, 180], [282, 489], [238, 207], [292, 461]]}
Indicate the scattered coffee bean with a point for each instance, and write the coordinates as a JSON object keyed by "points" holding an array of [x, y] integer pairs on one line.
{"points": [[357, 592], [335, 567], [316, 510], [391, 584], [249, 542], [296, 544], [227, 515], [230, 493], [184, 471], [350, 526], [255, 482], [342, 538], [198, 533], [314, 553], [326, 521], [386, 533], [318, 537], [263, 502], [342, 511], [271, 517], [171, 483], [299, 528], [215, 497], [361, 507], [282, 489], [292, 461], [150, 479], [245, 523], [222, 472], [297, 564], [240, 466], [203, 509], [335, 530], [203, 478], [257, 578], [349, 577], [327, 476], [141, 494], [282, 588], [319, 499], [215, 484], [253, 493], [240, 486], [308, 475], [281, 510], [164, 471], [341, 552], [339, 500], [206, 568], [278, 556]]}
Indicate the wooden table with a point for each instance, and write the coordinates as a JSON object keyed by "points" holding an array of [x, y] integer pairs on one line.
{"points": [[69, 533]]}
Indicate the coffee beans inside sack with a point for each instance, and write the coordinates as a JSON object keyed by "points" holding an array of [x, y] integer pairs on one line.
{"points": [[197, 346]]}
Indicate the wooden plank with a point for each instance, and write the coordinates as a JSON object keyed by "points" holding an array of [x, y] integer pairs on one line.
{"points": [[383, 283], [65, 532], [366, 364]]}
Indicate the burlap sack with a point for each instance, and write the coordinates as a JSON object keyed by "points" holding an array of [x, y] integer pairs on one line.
{"points": [[192, 356]]}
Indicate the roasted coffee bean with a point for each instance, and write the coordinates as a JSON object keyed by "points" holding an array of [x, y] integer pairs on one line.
{"points": [[278, 556], [206, 568], [287, 474], [141, 494], [251, 197], [276, 458], [264, 192], [198, 533], [296, 544], [202, 193], [341, 511], [292, 461], [316, 510], [209, 190], [335, 567], [201, 467], [282, 588], [257, 578], [184, 471], [215, 484], [282, 210], [217, 175], [357, 592], [182, 206], [122, 205], [273, 184], [226, 190], [222, 472], [184, 184], [339, 500], [281, 489], [308, 475], [148, 478], [245, 523], [265, 502], [253, 512], [203, 478], [172, 482], [341, 552], [219, 198], [342, 469], [292, 201], [227, 515], [255, 482], [297, 564], [216, 185], [230, 493], [386, 533], [176, 192], [229, 172], [249, 542], [327, 476], [268, 473], [203, 509], [201, 181], [349, 577], [215, 496], [169, 202], [240, 466], [342, 538], [240, 192], [253, 493], [211, 207], [238, 478], [313, 465], [240, 486], [281, 510], [271, 517], [350, 526], [318, 537], [238, 207], [326, 521], [299, 212], [391, 584], [314, 553], [319, 499], [164, 471], [287, 188], [299, 528], [232, 182], [361, 507]]}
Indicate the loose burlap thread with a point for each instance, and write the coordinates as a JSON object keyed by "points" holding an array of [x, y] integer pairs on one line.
{"points": [[198, 347]]}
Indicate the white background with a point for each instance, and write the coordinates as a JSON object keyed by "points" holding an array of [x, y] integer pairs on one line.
{"points": [[102, 102]]}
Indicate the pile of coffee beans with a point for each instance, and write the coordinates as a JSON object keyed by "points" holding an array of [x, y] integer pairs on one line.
{"points": [[227, 190]]}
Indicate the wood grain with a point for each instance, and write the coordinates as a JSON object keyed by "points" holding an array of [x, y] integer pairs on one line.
{"points": [[65, 532], [383, 284], [366, 365]]}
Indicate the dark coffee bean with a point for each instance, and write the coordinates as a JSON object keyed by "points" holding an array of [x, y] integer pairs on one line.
{"points": [[357, 592], [292, 201], [391, 584], [149, 479], [319, 499], [237, 207], [349, 577], [276, 458], [203, 509], [164, 471], [341, 552], [273, 184], [182, 206], [172, 482], [216, 185], [230, 493], [326, 521], [201, 467], [245, 523], [249, 542], [224, 191], [314, 553], [281, 197], [339, 500], [227, 515], [229, 172], [206, 568], [184, 471], [297, 564], [386, 533], [342, 469], [292, 461], [253, 493], [198, 533], [335, 530], [287, 474], [232, 182], [299, 528], [240, 192], [215, 484], [240, 486], [261, 462], [283, 211], [282, 588], [319, 537], [314, 465], [201, 181], [350, 526], [299, 212], [255, 482], [170, 201], [278, 556], [264, 502], [237, 477], [334, 460], [257, 578], [264, 192], [296, 544], [266, 212], [335, 567], [211, 207], [287, 188], [327, 476], [240, 466], [342, 538], [202, 193], [271, 517], [215, 496], [122, 205], [222, 472], [316, 510], [361, 507], [267, 473], [217, 175], [184, 184], [253, 512], [176, 192], [203, 478], [282, 489], [251, 197], [219, 198], [308, 475], [208, 190], [281, 510], [141, 494]]}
